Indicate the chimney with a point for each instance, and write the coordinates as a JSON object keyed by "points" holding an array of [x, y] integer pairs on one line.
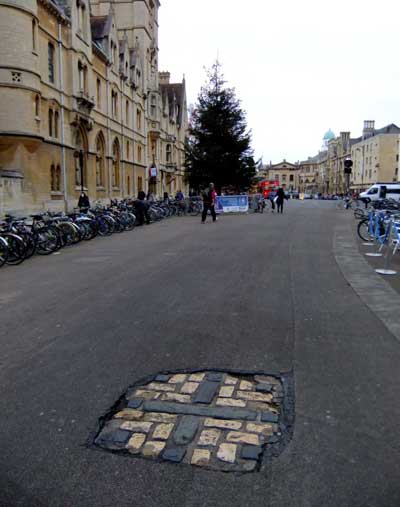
{"points": [[164, 77], [369, 128]]}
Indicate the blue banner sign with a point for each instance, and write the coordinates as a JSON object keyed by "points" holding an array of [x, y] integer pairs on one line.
{"points": [[232, 204]]}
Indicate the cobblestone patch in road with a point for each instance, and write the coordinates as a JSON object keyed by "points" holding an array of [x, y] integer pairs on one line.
{"points": [[215, 420]]}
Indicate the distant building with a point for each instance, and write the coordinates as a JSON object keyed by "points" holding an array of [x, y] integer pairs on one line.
{"points": [[375, 156], [286, 173], [83, 105]]}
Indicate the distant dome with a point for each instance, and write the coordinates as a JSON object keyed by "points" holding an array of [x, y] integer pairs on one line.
{"points": [[329, 135]]}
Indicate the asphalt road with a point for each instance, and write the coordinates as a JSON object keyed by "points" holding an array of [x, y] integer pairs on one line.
{"points": [[254, 292]]}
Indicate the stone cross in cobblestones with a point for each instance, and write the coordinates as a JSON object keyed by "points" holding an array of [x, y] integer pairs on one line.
{"points": [[214, 420]]}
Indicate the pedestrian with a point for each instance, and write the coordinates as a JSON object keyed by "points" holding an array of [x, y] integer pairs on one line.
{"points": [[280, 198], [83, 202], [141, 208], [209, 196], [271, 197]]}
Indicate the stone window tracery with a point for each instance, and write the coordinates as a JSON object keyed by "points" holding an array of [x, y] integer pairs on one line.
{"points": [[50, 49], [116, 164], [50, 123]]}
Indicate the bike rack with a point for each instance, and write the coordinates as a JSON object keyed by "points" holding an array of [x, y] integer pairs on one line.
{"points": [[386, 270]]}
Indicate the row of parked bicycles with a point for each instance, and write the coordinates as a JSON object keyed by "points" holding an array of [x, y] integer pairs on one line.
{"points": [[378, 221], [381, 224], [46, 233]]}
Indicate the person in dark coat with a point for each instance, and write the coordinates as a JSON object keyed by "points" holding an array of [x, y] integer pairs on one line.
{"points": [[209, 203], [141, 208], [281, 197], [83, 202]]}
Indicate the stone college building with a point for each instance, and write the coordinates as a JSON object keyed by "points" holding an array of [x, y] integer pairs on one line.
{"points": [[83, 105]]}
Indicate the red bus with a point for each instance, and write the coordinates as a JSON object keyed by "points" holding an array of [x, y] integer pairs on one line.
{"points": [[268, 186]]}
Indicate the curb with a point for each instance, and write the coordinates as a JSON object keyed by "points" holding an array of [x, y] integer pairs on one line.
{"points": [[375, 293]]}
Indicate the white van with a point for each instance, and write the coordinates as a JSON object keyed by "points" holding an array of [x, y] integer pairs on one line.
{"points": [[382, 191]]}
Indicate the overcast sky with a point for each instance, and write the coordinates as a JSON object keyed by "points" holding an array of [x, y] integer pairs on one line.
{"points": [[299, 67]]}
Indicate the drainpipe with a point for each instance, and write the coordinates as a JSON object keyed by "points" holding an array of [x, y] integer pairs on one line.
{"points": [[122, 183], [61, 85], [108, 132]]}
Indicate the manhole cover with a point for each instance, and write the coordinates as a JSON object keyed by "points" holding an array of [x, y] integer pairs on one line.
{"points": [[216, 420]]}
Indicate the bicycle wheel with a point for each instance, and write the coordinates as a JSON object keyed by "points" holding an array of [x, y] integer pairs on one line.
{"points": [[363, 230], [68, 233], [3, 251], [195, 210], [47, 241], [16, 249], [30, 244], [359, 213], [91, 231]]}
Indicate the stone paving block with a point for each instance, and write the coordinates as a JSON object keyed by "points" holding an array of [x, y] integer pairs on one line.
{"points": [[189, 387], [147, 395], [266, 379], [163, 431], [112, 435], [157, 417], [158, 386], [215, 377], [227, 453], [136, 426], [186, 430], [197, 377], [200, 457], [209, 437], [135, 442], [219, 423], [229, 402], [180, 398], [259, 405], [264, 388], [251, 452], [245, 385], [162, 378], [152, 449], [206, 392], [174, 454], [269, 417], [226, 391], [135, 403], [239, 437], [179, 378], [264, 429], [129, 414], [232, 381], [251, 396]]}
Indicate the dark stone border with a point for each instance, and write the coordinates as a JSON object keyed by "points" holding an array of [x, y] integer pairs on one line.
{"points": [[272, 449]]}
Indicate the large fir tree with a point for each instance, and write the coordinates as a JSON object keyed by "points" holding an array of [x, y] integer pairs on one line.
{"points": [[218, 148]]}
